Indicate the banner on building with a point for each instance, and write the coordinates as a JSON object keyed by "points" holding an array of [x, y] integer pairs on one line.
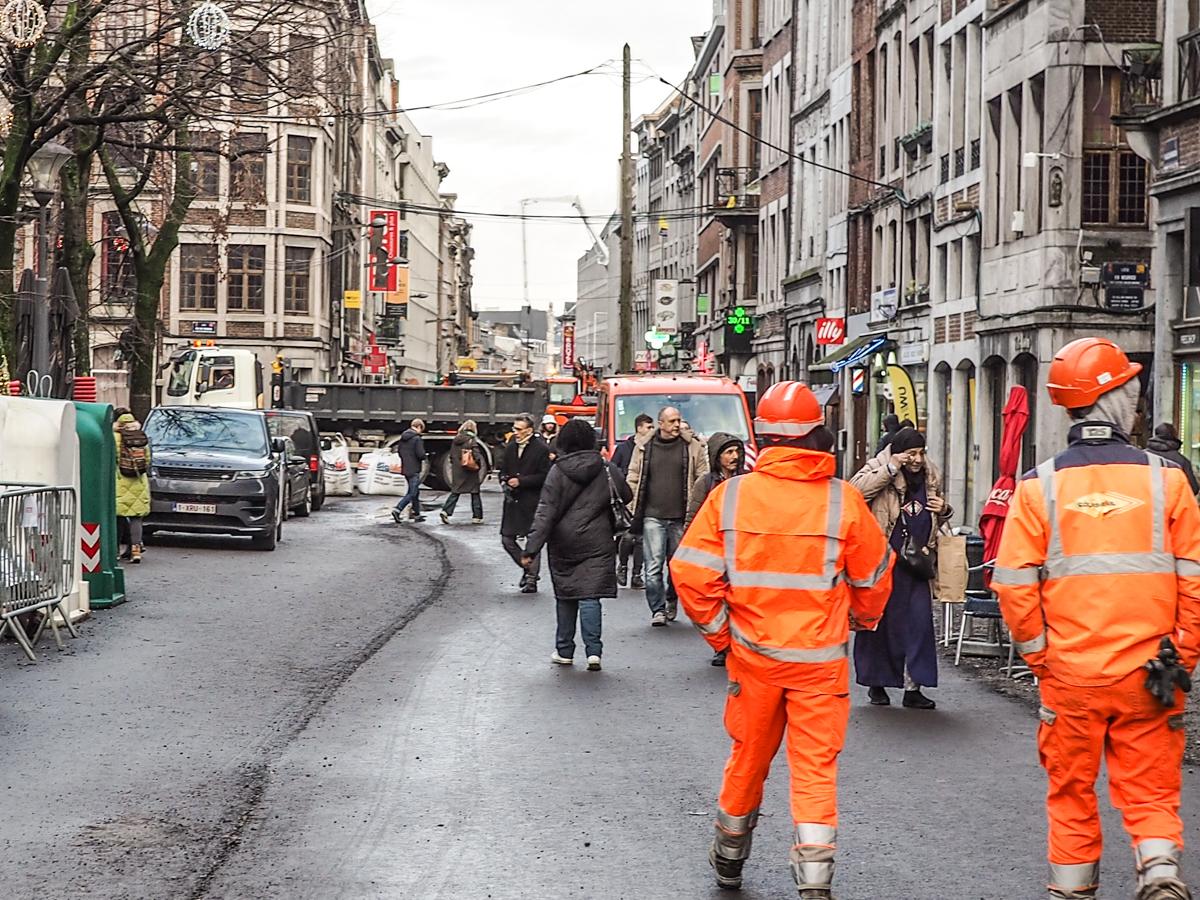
{"points": [[665, 313], [568, 348], [904, 397], [399, 296], [385, 246]]}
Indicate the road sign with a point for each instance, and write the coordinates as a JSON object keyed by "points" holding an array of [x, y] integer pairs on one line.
{"points": [[1125, 273], [89, 546], [352, 299], [831, 331]]}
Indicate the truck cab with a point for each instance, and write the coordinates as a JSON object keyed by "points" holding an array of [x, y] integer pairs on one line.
{"points": [[709, 403], [207, 375]]}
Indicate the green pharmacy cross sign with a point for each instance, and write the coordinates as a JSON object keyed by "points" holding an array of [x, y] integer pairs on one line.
{"points": [[739, 320]]}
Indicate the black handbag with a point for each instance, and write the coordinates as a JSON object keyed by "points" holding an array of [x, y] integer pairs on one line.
{"points": [[622, 520], [915, 557]]}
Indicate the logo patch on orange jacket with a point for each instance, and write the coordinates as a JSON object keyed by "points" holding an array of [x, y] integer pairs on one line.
{"points": [[1108, 503]]}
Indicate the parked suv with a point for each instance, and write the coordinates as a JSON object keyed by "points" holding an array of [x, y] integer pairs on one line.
{"points": [[301, 428], [216, 471]]}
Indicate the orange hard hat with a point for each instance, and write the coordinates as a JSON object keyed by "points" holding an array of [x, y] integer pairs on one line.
{"points": [[1087, 368], [788, 409]]}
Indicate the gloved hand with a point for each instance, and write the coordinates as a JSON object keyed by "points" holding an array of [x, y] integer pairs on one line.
{"points": [[1166, 673]]}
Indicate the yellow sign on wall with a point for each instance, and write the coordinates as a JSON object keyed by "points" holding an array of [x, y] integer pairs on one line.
{"points": [[400, 295], [352, 299]]}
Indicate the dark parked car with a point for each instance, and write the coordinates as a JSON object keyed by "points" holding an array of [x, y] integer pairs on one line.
{"points": [[218, 471], [298, 493], [301, 427]]}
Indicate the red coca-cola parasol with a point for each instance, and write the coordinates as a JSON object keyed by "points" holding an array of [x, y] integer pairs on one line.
{"points": [[991, 521]]}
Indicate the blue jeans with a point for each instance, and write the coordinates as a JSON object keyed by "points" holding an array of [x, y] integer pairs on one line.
{"points": [[588, 613], [660, 540], [413, 496]]}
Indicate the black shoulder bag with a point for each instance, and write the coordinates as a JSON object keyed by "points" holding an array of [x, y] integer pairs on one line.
{"points": [[622, 520], [915, 557]]}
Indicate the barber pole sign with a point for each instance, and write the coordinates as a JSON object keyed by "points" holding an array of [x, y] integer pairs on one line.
{"points": [[831, 331], [89, 547]]}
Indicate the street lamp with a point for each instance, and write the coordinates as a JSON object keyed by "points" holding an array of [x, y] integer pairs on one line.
{"points": [[44, 166]]}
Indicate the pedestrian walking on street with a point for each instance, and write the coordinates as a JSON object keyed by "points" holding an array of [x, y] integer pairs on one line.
{"points": [[1166, 444], [891, 424], [664, 467], [726, 459], [1098, 577], [524, 464], [133, 480], [466, 471], [412, 456], [776, 568], [574, 522], [905, 493], [548, 432], [628, 543]]}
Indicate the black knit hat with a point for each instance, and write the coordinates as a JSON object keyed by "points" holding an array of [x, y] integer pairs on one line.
{"points": [[907, 439]]}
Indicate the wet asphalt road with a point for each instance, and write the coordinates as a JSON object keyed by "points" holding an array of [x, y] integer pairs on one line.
{"points": [[370, 712]]}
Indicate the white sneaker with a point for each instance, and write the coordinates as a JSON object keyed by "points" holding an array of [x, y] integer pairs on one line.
{"points": [[659, 618], [562, 660], [593, 664], [445, 518]]}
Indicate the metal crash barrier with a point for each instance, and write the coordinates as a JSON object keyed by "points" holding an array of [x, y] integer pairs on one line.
{"points": [[37, 561]]}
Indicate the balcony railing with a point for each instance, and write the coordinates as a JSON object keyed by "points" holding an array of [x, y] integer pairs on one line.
{"points": [[1189, 66], [1141, 85], [738, 191]]}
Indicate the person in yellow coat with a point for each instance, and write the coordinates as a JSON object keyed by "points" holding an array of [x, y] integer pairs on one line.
{"points": [[133, 479]]}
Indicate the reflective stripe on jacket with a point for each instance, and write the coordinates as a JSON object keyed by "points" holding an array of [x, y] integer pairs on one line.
{"points": [[1100, 560], [777, 561]]}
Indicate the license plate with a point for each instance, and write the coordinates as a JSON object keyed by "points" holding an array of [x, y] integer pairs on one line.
{"points": [[209, 509]]}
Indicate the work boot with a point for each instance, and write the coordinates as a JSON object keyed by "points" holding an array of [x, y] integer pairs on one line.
{"points": [[719, 658], [1164, 889], [879, 696], [638, 583], [672, 610], [135, 554], [622, 575], [1085, 894], [530, 585], [1158, 871], [729, 871], [917, 700]]}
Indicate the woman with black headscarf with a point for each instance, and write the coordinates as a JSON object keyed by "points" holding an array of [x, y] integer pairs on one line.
{"points": [[904, 492]]}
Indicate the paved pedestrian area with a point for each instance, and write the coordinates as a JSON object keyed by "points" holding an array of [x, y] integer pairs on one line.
{"points": [[385, 723]]}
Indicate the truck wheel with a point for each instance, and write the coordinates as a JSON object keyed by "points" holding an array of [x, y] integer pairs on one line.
{"points": [[441, 473]]}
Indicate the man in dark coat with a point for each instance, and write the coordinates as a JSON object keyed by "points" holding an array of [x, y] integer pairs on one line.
{"points": [[574, 522], [411, 451], [629, 543], [891, 424], [1166, 444], [524, 465]]}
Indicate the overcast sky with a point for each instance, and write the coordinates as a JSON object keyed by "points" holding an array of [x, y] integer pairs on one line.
{"points": [[563, 140]]}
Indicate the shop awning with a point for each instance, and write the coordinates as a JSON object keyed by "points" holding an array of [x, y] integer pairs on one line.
{"points": [[824, 392], [852, 353]]}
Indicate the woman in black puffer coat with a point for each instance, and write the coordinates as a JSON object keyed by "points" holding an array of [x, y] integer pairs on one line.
{"points": [[574, 521]]}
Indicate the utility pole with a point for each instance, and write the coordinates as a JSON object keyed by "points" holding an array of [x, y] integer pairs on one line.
{"points": [[626, 301]]}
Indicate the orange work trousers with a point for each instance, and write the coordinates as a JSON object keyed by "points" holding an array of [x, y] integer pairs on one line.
{"points": [[757, 715], [1143, 743]]}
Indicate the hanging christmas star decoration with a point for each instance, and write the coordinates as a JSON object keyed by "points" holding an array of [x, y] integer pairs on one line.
{"points": [[22, 22], [208, 26]]}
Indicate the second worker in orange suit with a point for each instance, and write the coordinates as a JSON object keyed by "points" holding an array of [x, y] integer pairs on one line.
{"points": [[775, 567], [1098, 575]]}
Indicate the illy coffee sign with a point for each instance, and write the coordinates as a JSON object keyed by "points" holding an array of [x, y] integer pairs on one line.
{"points": [[831, 331]]}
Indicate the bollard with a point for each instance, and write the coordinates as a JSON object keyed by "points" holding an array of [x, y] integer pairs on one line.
{"points": [[98, 504], [14, 388], [85, 389]]}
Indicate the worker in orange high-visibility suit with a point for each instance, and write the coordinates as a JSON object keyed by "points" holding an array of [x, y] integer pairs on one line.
{"points": [[774, 568], [1099, 563]]}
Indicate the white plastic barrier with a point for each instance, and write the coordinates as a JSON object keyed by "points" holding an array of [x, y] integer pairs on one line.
{"points": [[38, 445], [339, 475]]}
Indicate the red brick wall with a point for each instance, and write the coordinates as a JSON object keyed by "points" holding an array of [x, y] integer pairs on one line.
{"points": [[774, 186], [1188, 134], [862, 127], [1122, 20], [708, 244], [858, 276]]}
